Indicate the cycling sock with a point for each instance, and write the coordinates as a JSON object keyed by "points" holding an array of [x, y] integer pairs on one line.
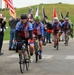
{"points": [[40, 52]]}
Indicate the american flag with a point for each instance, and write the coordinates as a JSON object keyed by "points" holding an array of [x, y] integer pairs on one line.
{"points": [[9, 4]]}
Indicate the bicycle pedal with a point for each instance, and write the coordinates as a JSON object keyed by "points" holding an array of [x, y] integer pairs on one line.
{"points": [[27, 61], [21, 62]]}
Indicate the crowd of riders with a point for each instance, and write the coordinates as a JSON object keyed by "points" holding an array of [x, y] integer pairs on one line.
{"points": [[29, 26]]}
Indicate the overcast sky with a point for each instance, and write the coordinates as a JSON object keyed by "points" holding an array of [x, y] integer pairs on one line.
{"points": [[25, 3], [21, 3]]}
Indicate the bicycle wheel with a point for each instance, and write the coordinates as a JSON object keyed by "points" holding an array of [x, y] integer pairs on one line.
{"points": [[36, 51], [66, 41], [57, 45], [22, 62], [27, 59]]}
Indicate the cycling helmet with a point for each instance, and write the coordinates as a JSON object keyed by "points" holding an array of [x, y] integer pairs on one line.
{"points": [[55, 18], [37, 18], [24, 16], [66, 18]]}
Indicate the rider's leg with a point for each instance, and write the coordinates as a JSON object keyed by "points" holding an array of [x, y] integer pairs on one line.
{"points": [[40, 49], [31, 50], [19, 47]]}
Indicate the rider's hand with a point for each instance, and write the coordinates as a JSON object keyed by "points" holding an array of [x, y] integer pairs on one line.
{"points": [[29, 41], [15, 40], [4, 18]]}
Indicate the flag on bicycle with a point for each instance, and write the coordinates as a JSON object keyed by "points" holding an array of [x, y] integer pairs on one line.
{"points": [[37, 12], [61, 15], [9, 4], [67, 15], [55, 14], [43, 12]]}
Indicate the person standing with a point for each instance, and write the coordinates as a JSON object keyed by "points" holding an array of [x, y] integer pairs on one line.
{"points": [[47, 29], [2, 27], [12, 24]]}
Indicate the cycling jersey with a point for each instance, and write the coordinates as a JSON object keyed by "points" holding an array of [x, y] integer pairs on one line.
{"points": [[56, 27], [24, 30], [66, 25], [38, 29]]}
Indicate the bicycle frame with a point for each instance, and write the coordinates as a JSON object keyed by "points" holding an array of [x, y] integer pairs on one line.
{"points": [[25, 56], [36, 48], [66, 38]]}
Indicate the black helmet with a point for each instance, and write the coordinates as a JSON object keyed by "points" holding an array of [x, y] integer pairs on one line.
{"points": [[24, 16]]}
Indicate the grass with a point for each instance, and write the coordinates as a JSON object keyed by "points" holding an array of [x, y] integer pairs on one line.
{"points": [[48, 10]]}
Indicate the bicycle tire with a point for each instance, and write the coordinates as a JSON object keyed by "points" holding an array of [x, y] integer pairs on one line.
{"points": [[36, 52], [22, 62], [27, 60], [57, 46], [66, 41]]}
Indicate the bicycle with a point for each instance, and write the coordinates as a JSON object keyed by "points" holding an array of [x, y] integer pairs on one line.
{"points": [[24, 58], [67, 38], [36, 49], [57, 42]]}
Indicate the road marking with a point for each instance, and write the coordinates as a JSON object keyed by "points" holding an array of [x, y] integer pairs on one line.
{"points": [[70, 57], [47, 56], [13, 56], [43, 56]]}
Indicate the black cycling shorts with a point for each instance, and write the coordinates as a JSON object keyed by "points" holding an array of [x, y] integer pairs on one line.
{"points": [[20, 43]]}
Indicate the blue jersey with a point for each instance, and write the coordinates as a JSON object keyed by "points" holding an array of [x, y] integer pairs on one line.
{"points": [[24, 29], [38, 29], [66, 25], [56, 26]]}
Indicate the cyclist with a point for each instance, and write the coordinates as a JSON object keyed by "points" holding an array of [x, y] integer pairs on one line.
{"points": [[24, 32], [66, 26], [56, 25], [38, 30]]}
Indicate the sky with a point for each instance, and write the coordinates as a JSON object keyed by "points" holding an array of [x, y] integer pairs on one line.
{"points": [[21, 3], [25, 3]]}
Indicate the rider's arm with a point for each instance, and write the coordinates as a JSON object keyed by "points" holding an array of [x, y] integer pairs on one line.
{"points": [[60, 24], [69, 25], [42, 29], [17, 34], [17, 31], [30, 31], [53, 25]]}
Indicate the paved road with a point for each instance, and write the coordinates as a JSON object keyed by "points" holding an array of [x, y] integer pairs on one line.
{"points": [[54, 62]]}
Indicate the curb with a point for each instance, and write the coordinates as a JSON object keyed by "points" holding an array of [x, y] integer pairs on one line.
{"points": [[7, 41]]}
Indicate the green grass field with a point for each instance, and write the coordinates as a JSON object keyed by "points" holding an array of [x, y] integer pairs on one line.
{"points": [[48, 10]]}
